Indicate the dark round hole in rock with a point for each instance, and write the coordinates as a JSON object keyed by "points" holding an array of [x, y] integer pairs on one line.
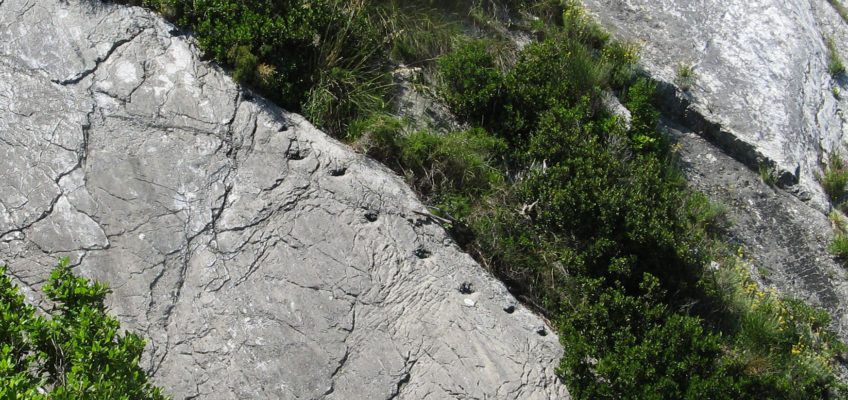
{"points": [[338, 171], [466, 288], [421, 253], [371, 216], [509, 309], [296, 154]]}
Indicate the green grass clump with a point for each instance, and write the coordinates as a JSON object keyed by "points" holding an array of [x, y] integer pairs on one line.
{"points": [[421, 33], [767, 176], [685, 76], [835, 177], [839, 246], [835, 67], [773, 333], [437, 165]]}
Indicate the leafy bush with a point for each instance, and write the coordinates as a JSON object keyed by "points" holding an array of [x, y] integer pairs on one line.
{"points": [[471, 81], [644, 118], [637, 347], [77, 354], [626, 346], [554, 73]]}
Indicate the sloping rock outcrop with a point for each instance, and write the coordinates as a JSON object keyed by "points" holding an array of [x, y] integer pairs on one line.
{"points": [[759, 83], [759, 96], [260, 258]]}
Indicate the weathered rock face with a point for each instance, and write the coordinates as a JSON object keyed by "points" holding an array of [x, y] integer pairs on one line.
{"points": [[784, 239], [260, 258], [761, 87], [761, 96]]}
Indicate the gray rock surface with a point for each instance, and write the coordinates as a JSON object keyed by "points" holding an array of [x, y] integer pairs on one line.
{"points": [[761, 96], [259, 257]]}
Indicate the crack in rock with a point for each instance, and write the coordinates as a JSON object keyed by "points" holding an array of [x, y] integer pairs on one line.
{"points": [[97, 61]]}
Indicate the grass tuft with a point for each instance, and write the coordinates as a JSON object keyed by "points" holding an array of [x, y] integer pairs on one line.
{"points": [[835, 67], [685, 76], [835, 177], [839, 246], [767, 176]]}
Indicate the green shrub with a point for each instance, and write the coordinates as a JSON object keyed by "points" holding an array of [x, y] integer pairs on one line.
{"points": [[644, 118], [839, 246], [632, 347], [244, 62], [80, 353], [471, 81], [550, 74]]}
